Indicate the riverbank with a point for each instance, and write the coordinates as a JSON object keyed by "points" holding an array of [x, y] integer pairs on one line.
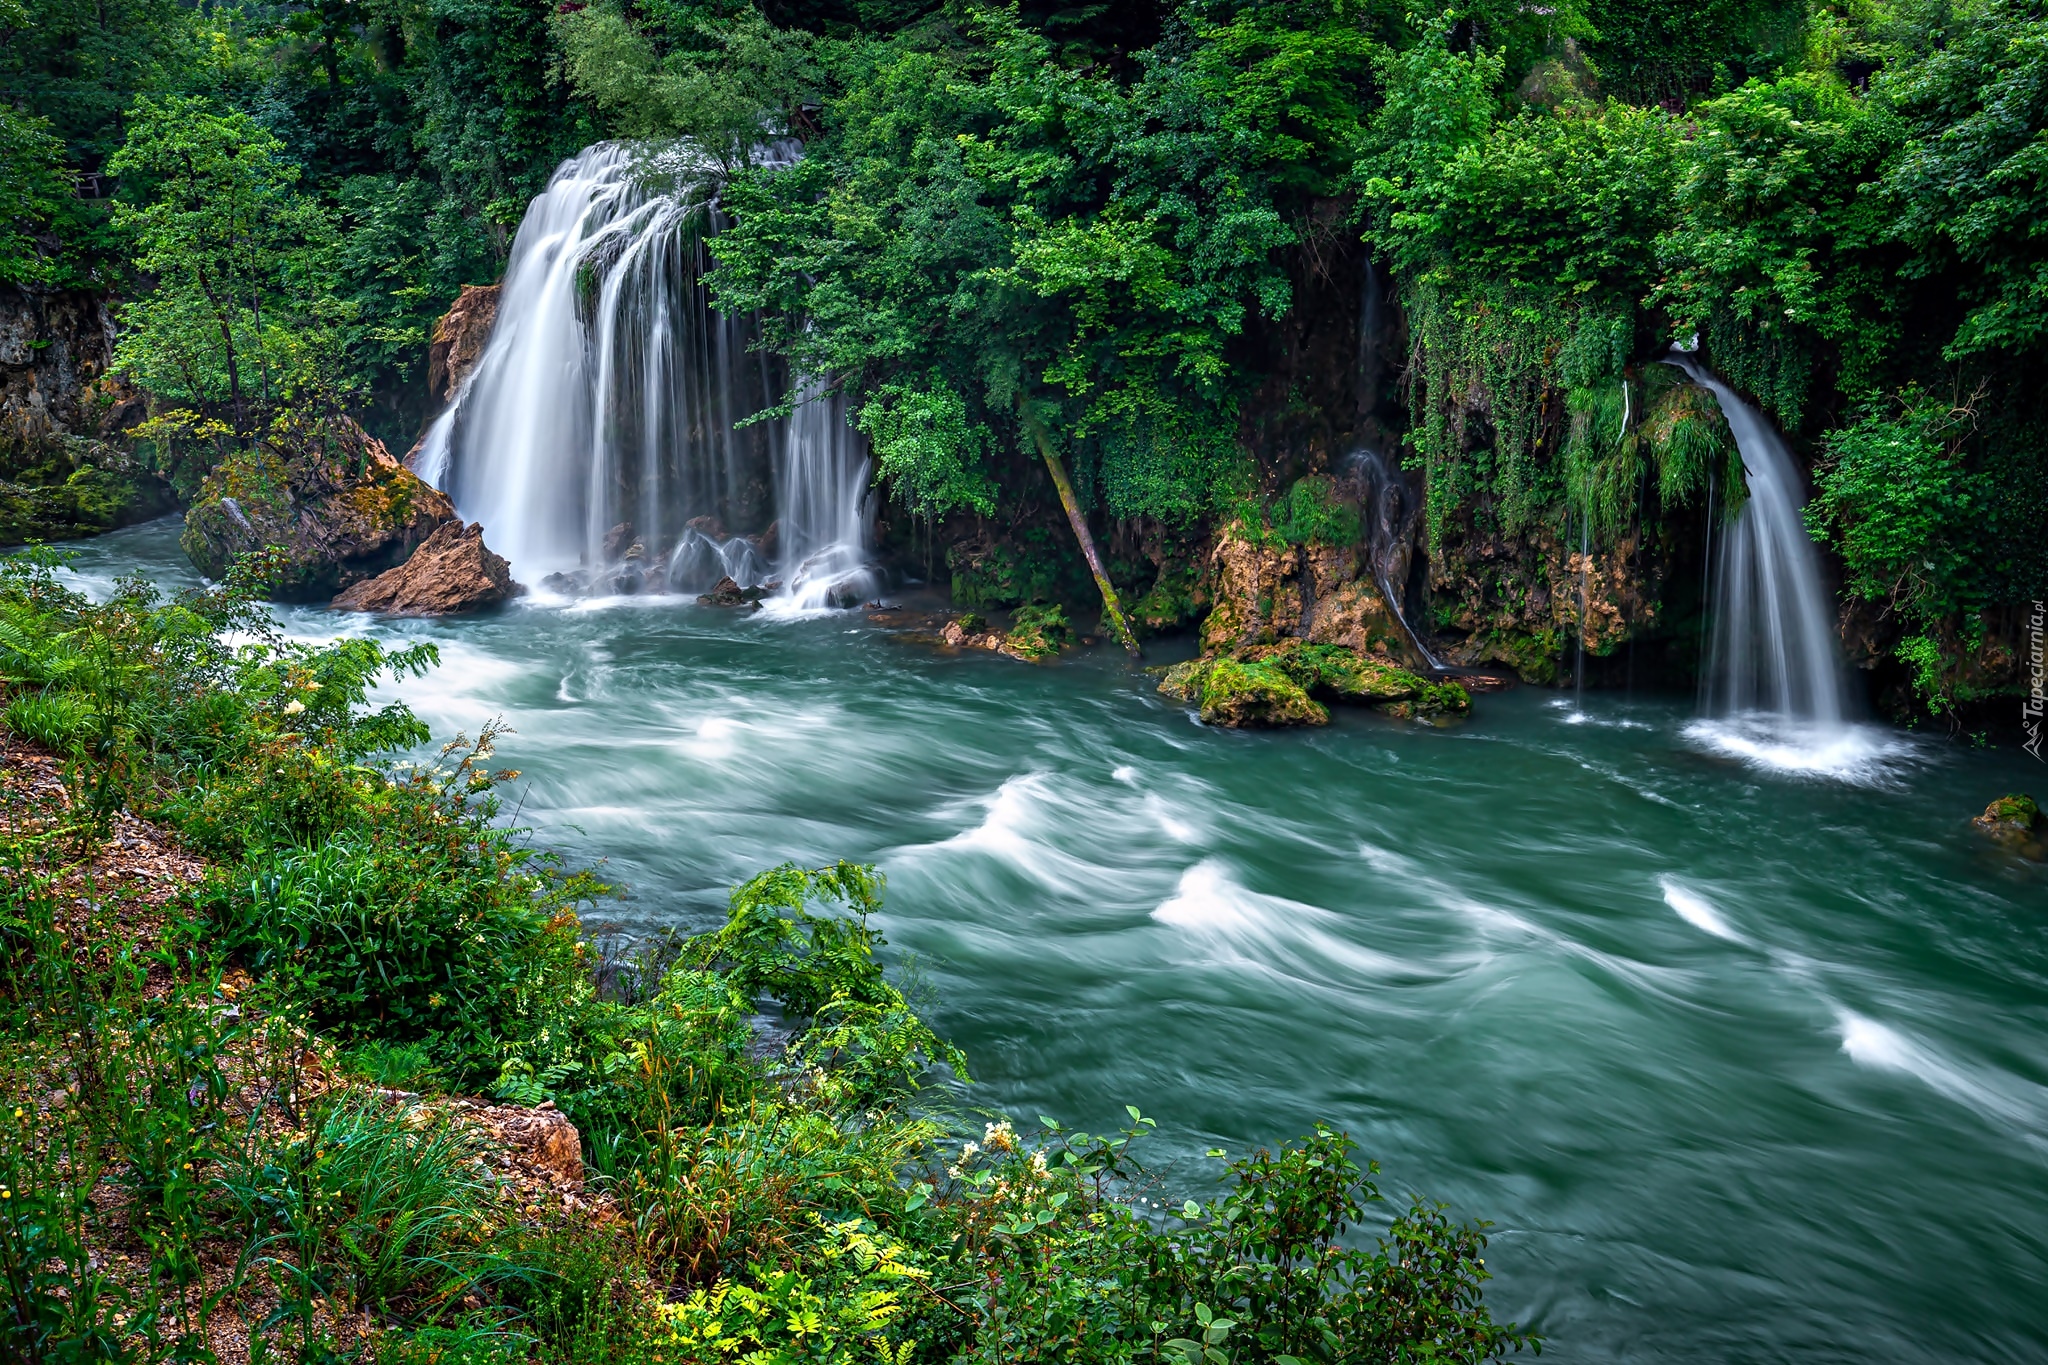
{"points": [[263, 985]]}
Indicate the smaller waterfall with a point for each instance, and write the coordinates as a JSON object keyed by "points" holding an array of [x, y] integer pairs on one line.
{"points": [[602, 440], [1775, 691], [1391, 512], [826, 509], [1774, 650]]}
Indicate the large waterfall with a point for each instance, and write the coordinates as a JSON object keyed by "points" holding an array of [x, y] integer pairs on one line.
{"points": [[602, 441], [1775, 686]]}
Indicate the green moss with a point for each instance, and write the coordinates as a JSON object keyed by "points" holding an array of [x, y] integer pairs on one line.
{"points": [[1286, 684], [1338, 672], [1434, 699], [1178, 596], [1007, 573], [1256, 696], [2015, 809], [68, 487], [1038, 632], [1241, 694]]}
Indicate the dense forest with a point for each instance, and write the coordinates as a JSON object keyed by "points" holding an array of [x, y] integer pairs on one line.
{"points": [[1198, 256]]}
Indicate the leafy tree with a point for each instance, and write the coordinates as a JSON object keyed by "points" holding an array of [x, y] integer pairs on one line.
{"points": [[234, 322]]}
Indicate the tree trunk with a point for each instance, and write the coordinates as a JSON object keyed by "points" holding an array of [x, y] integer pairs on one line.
{"points": [[1112, 610]]}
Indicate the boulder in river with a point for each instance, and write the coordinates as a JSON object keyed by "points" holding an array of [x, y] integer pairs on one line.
{"points": [[2016, 824], [1280, 684], [454, 571], [324, 493], [728, 593]]}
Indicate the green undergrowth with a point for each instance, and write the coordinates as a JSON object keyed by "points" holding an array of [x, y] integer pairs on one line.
{"points": [[237, 1108]]}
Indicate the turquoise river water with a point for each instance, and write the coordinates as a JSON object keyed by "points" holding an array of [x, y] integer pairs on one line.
{"points": [[1743, 1064]]}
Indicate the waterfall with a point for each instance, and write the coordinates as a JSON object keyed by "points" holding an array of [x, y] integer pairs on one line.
{"points": [[824, 501], [601, 439], [1774, 650], [1391, 512], [1775, 691]]}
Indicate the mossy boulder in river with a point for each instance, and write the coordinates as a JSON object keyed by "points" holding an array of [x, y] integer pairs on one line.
{"points": [[1278, 685], [325, 493], [1243, 695], [2015, 823]]}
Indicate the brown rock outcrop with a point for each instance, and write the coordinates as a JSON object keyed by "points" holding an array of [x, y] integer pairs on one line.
{"points": [[327, 495], [453, 571], [547, 1143], [459, 339], [1323, 594]]}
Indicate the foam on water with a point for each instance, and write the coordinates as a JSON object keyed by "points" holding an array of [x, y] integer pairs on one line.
{"points": [[1695, 910], [1881, 1047], [1865, 755]]}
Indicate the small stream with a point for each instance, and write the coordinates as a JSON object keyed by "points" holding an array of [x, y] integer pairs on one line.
{"points": [[1744, 1064]]}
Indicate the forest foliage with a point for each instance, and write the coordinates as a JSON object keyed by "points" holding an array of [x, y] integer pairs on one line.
{"points": [[1095, 222]]}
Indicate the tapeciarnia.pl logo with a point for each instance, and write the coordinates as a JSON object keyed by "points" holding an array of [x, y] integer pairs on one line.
{"points": [[2031, 709]]}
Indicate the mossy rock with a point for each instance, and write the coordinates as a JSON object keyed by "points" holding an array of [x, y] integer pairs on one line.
{"points": [[1271, 685], [1243, 696], [2015, 809], [326, 495], [1177, 598], [1337, 672], [1435, 699], [1037, 632], [2014, 821], [68, 487]]}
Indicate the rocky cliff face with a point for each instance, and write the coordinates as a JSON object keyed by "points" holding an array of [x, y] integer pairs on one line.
{"points": [[64, 469], [327, 495], [1529, 602], [1266, 592], [459, 339]]}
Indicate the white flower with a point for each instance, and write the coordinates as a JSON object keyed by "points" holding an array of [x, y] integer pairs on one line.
{"points": [[1038, 1162], [294, 706]]}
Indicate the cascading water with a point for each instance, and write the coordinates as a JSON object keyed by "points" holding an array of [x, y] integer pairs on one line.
{"points": [[824, 501], [599, 440], [1391, 513], [1775, 686]]}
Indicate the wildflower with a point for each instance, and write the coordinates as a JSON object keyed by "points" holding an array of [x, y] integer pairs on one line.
{"points": [[294, 707], [1000, 1137], [967, 1152], [1038, 1162]]}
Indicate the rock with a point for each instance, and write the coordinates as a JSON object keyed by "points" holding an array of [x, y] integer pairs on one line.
{"points": [[727, 593], [65, 469], [545, 1140], [1037, 633], [970, 631], [616, 540], [453, 571], [326, 495], [1241, 695], [1276, 685], [459, 339], [711, 527], [2015, 823], [1267, 591]]}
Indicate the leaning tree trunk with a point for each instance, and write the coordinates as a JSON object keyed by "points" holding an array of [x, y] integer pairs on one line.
{"points": [[1112, 610]]}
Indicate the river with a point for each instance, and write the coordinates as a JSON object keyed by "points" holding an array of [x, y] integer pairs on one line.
{"points": [[1744, 1065]]}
